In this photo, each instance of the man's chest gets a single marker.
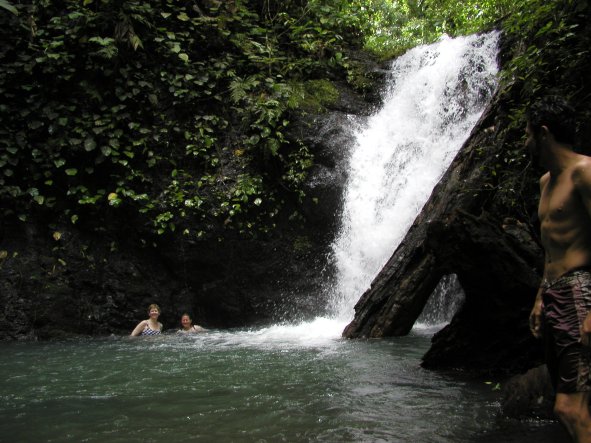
(559, 200)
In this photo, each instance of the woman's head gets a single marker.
(153, 308)
(186, 320)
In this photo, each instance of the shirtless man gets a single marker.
(561, 311)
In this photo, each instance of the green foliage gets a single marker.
(393, 26)
(494, 386)
(8, 6)
(178, 113)
(313, 95)
(173, 111)
(552, 57)
(554, 47)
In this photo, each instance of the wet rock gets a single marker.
(529, 395)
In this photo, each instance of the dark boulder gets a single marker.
(529, 395)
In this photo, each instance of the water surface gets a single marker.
(284, 383)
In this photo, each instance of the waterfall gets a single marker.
(435, 96)
(444, 302)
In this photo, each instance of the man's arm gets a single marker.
(582, 182)
(535, 316)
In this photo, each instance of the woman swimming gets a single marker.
(187, 325)
(151, 326)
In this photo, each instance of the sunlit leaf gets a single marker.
(89, 144)
(8, 6)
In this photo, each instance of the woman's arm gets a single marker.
(139, 328)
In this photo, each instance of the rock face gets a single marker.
(497, 263)
(58, 281)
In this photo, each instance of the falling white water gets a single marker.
(437, 93)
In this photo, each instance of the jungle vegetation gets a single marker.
(176, 114)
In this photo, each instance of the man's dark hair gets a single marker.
(557, 115)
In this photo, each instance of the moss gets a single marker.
(314, 95)
(358, 76)
(302, 244)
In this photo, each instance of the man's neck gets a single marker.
(558, 157)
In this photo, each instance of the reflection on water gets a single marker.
(284, 383)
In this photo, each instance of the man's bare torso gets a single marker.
(565, 223)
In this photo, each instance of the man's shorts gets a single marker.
(566, 302)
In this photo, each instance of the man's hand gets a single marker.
(586, 331)
(535, 319)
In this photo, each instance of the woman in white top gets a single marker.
(151, 326)
(187, 325)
